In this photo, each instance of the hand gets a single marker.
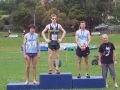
(100, 64)
(115, 63)
(83, 48)
(38, 55)
(25, 56)
(48, 41)
(59, 40)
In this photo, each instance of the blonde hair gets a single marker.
(53, 15)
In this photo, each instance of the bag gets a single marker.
(94, 62)
(59, 64)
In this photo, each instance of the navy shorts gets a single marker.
(84, 53)
(31, 54)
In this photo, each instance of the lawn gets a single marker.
(12, 64)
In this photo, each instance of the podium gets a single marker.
(22, 86)
(56, 81)
(92, 82)
(64, 80)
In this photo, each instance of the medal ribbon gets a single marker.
(82, 34)
(54, 28)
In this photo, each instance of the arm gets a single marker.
(114, 56)
(89, 39)
(38, 45)
(99, 58)
(24, 47)
(63, 33)
(43, 34)
(76, 39)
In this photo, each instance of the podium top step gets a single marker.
(61, 73)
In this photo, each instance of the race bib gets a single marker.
(54, 37)
(32, 45)
(83, 43)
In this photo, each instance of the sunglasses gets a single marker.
(53, 18)
(105, 38)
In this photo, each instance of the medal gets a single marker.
(31, 38)
(82, 34)
(31, 43)
(54, 28)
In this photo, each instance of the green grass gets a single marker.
(12, 63)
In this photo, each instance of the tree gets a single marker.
(22, 16)
(58, 4)
(70, 3)
(6, 6)
(116, 12)
(69, 12)
(9, 5)
(77, 12)
(43, 17)
(1, 23)
(113, 21)
(39, 14)
(61, 18)
(92, 11)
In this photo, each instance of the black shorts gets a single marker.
(31, 54)
(53, 47)
(84, 53)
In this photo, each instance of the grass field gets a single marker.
(12, 64)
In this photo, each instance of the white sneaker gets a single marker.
(106, 85)
(115, 85)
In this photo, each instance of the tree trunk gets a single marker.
(22, 27)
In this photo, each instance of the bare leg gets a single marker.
(57, 57)
(34, 62)
(106, 83)
(115, 83)
(79, 65)
(112, 73)
(27, 69)
(114, 80)
(50, 58)
(86, 64)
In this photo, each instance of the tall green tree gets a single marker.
(43, 17)
(22, 16)
(58, 4)
(10, 5)
(77, 12)
(92, 11)
(6, 6)
(116, 12)
(39, 15)
(70, 3)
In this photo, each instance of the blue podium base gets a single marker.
(22, 86)
(64, 80)
(92, 82)
(56, 81)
